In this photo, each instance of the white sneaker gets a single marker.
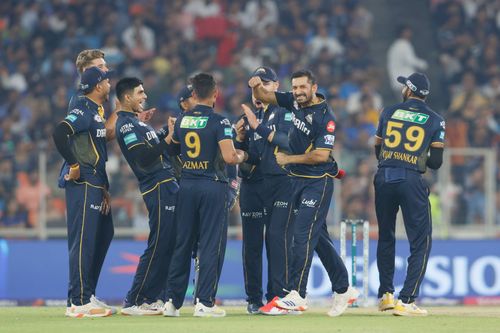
(68, 311)
(341, 301)
(101, 304)
(201, 310)
(141, 310)
(169, 309)
(88, 310)
(158, 305)
(292, 301)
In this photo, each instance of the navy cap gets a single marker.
(418, 83)
(91, 77)
(266, 74)
(184, 94)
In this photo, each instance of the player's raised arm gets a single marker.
(260, 92)
(230, 155)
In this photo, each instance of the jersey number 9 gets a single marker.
(414, 136)
(192, 140)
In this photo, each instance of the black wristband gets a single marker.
(263, 131)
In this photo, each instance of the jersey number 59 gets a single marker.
(414, 136)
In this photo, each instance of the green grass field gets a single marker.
(441, 319)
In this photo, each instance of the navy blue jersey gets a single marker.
(407, 130)
(199, 132)
(88, 142)
(279, 120)
(312, 128)
(130, 133)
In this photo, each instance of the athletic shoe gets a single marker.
(158, 305)
(386, 302)
(68, 311)
(101, 304)
(404, 309)
(341, 301)
(141, 310)
(169, 309)
(201, 310)
(89, 310)
(270, 309)
(292, 301)
(253, 308)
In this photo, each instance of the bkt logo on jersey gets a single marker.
(101, 133)
(413, 117)
(300, 125)
(194, 122)
(151, 135)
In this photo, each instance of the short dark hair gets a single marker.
(125, 85)
(304, 72)
(203, 85)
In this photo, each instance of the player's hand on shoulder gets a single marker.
(73, 173)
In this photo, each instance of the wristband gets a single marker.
(263, 131)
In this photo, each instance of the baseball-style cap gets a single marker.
(417, 82)
(91, 77)
(266, 74)
(184, 94)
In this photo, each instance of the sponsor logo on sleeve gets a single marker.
(330, 127)
(441, 135)
(71, 117)
(98, 118)
(442, 124)
(228, 132)
(77, 112)
(126, 128)
(225, 122)
(288, 116)
(329, 139)
(130, 138)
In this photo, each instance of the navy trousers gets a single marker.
(280, 217)
(312, 198)
(154, 263)
(253, 217)
(201, 210)
(89, 236)
(394, 188)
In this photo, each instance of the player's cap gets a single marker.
(184, 94)
(91, 77)
(266, 74)
(417, 82)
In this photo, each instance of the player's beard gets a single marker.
(307, 100)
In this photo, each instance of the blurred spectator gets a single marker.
(13, 216)
(402, 59)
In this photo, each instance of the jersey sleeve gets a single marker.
(177, 128)
(130, 135)
(285, 99)
(78, 120)
(224, 131)
(380, 125)
(325, 137)
(439, 134)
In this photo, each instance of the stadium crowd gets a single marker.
(164, 43)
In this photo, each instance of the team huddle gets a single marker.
(282, 150)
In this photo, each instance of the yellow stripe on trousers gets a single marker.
(81, 241)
